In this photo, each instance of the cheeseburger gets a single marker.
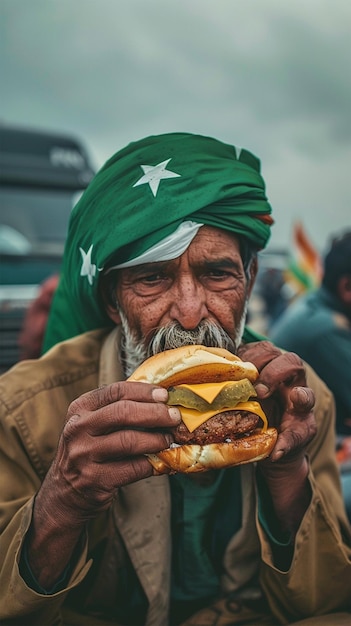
(221, 425)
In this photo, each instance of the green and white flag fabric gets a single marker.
(141, 196)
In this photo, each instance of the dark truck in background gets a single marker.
(42, 175)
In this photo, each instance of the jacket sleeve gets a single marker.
(34, 396)
(20, 604)
(18, 485)
(318, 580)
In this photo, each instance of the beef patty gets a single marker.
(220, 427)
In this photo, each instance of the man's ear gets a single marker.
(252, 274)
(113, 313)
(344, 289)
(109, 302)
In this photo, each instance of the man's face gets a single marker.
(206, 283)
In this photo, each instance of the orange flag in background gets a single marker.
(304, 270)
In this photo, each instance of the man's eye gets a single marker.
(152, 278)
(218, 273)
(218, 279)
(151, 284)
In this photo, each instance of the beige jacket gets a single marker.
(34, 397)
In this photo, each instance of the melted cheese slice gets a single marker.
(193, 419)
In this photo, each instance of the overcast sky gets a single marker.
(268, 75)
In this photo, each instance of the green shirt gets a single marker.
(204, 517)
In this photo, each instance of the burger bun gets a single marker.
(193, 458)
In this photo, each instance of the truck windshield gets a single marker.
(34, 221)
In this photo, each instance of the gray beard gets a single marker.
(207, 333)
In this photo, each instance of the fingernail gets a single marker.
(160, 395)
(174, 413)
(303, 396)
(261, 390)
(276, 456)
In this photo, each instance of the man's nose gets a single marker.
(189, 304)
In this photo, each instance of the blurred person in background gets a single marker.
(271, 288)
(32, 334)
(317, 326)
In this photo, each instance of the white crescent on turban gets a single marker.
(170, 247)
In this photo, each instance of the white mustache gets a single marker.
(208, 333)
(173, 336)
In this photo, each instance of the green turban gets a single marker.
(140, 196)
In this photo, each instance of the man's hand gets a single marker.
(102, 447)
(288, 403)
(281, 388)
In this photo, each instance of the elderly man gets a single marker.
(161, 252)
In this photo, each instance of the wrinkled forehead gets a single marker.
(190, 237)
(211, 249)
(211, 242)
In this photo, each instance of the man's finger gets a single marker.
(108, 394)
(302, 400)
(285, 370)
(260, 353)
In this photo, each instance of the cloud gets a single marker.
(267, 75)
